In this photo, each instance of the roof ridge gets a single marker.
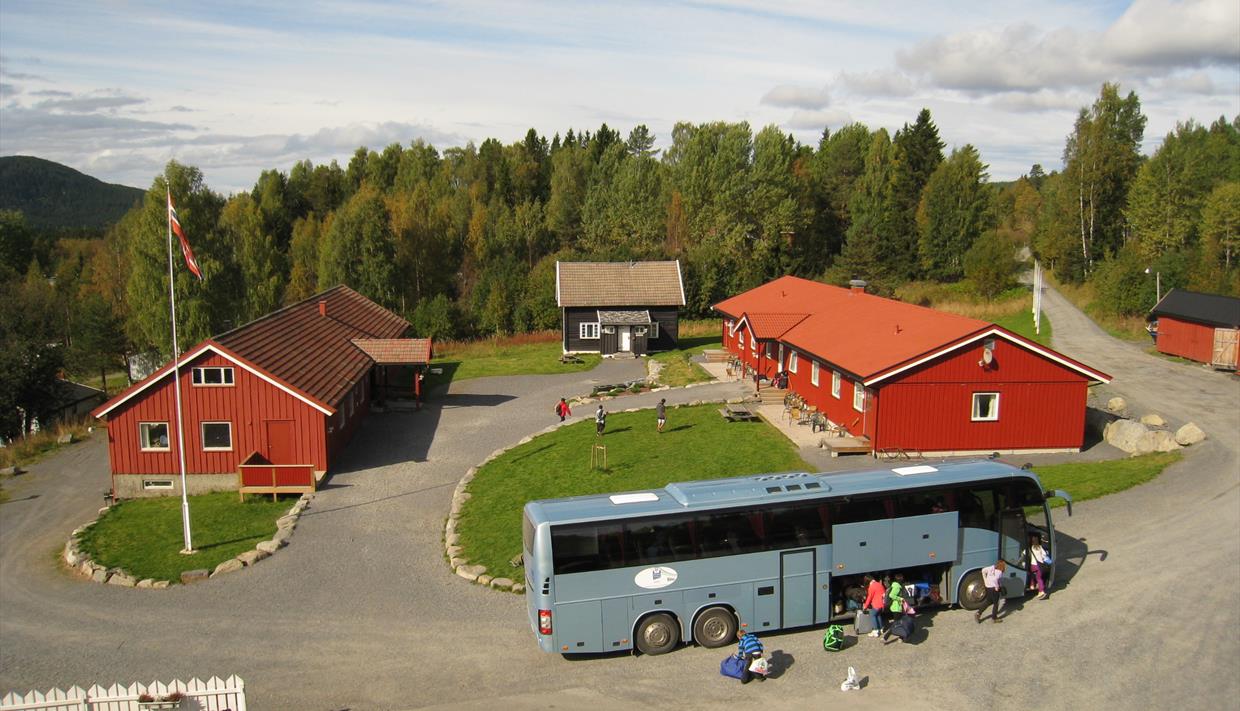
(281, 310)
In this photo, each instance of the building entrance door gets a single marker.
(280, 447)
(626, 339)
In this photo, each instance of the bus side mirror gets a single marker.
(1060, 494)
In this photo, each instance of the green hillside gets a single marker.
(55, 197)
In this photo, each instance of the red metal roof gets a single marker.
(861, 333)
(768, 325)
(396, 351)
(306, 348)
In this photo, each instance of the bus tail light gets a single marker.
(544, 622)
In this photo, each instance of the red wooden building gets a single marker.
(908, 377)
(1200, 327)
(288, 389)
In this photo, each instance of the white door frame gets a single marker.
(624, 339)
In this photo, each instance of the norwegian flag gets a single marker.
(175, 224)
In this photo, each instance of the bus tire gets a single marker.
(657, 634)
(715, 627)
(972, 591)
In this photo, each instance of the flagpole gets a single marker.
(176, 376)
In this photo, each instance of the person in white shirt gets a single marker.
(992, 576)
(1039, 560)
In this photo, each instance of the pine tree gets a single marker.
(917, 152)
(954, 211)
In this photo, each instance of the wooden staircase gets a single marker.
(772, 396)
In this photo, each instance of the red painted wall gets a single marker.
(247, 405)
(1194, 341)
(839, 410)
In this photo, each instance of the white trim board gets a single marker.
(191, 355)
(1092, 375)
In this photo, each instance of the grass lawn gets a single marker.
(1090, 480)
(483, 359)
(696, 444)
(678, 369)
(143, 536)
(1021, 322)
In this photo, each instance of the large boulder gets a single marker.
(1189, 434)
(1117, 404)
(123, 579)
(194, 576)
(1130, 436)
(1153, 420)
(251, 557)
(269, 546)
(231, 565)
(1163, 441)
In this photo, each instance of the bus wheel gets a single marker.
(715, 627)
(658, 634)
(972, 591)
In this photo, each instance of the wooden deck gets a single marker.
(847, 445)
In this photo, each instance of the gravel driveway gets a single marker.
(362, 612)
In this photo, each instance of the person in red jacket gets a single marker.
(875, 601)
(561, 409)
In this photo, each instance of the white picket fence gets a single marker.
(214, 694)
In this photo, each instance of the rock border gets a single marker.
(458, 562)
(83, 564)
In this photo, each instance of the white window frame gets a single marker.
(202, 433)
(792, 361)
(588, 330)
(753, 345)
(653, 332)
(813, 373)
(157, 484)
(835, 384)
(199, 376)
(144, 437)
(994, 415)
(858, 396)
(740, 340)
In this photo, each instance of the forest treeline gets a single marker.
(463, 241)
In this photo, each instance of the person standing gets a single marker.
(873, 604)
(660, 413)
(1039, 560)
(895, 601)
(748, 648)
(600, 421)
(992, 576)
(562, 409)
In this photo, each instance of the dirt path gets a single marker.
(354, 612)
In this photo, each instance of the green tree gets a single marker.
(641, 142)
(262, 269)
(303, 281)
(837, 166)
(357, 249)
(867, 246)
(954, 211)
(570, 174)
(991, 265)
(16, 243)
(30, 352)
(1219, 270)
(436, 318)
(916, 153)
(99, 343)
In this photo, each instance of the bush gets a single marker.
(991, 265)
(1123, 286)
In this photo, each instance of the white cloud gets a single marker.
(790, 96)
(816, 120)
(879, 82)
(1176, 34)
(1043, 100)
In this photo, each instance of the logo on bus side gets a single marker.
(655, 578)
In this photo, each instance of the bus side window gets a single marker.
(978, 508)
(858, 511)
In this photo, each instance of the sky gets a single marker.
(116, 88)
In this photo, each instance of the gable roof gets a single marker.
(1211, 309)
(396, 351)
(619, 284)
(869, 336)
(304, 349)
(769, 325)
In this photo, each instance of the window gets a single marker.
(609, 329)
(213, 376)
(985, 407)
(835, 384)
(153, 436)
(217, 436)
(155, 484)
(654, 330)
(858, 397)
(740, 339)
(813, 372)
(792, 362)
(753, 343)
(588, 331)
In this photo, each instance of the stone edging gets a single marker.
(452, 540)
(82, 563)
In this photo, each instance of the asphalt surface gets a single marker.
(362, 612)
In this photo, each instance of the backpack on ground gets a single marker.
(903, 627)
(732, 666)
(833, 640)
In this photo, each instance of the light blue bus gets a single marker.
(691, 562)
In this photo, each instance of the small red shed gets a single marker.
(1200, 327)
(909, 377)
(290, 387)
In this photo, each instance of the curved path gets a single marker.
(361, 604)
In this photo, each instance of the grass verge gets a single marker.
(678, 367)
(696, 444)
(143, 536)
(1090, 480)
(1020, 322)
(528, 354)
(34, 447)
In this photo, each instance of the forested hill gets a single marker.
(55, 197)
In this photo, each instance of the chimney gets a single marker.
(322, 307)
(857, 286)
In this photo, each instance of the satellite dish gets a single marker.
(988, 356)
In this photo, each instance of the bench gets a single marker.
(737, 413)
(570, 358)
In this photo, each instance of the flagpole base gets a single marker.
(188, 551)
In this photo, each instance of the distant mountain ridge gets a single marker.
(55, 197)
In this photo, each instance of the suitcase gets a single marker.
(733, 666)
(864, 623)
(903, 628)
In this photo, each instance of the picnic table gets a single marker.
(570, 358)
(737, 413)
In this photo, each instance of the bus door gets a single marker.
(797, 575)
(1014, 550)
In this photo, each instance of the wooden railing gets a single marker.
(256, 475)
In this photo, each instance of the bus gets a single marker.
(695, 561)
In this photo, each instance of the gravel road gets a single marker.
(361, 611)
